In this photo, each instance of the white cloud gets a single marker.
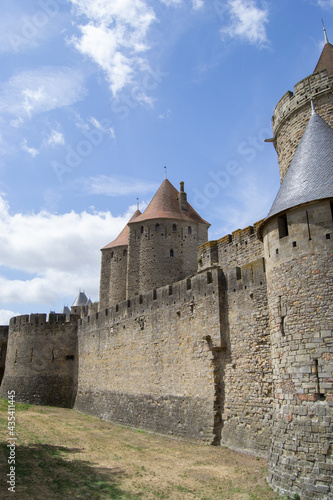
(115, 37)
(32, 151)
(172, 3)
(247, 22)
(55, 139)
(165, 115)
(106, 130)
(325, 4)
(61, 252)
(32, 92)
(114, 186)
(5, 316)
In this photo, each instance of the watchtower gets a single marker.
(293, 110)
(297, 235)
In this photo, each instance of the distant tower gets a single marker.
(293, 110)
(163, 241)
(114, 269)
(297, 235)
(80, 302)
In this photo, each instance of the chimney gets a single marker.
(182, 197)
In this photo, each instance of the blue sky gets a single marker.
(97, 97)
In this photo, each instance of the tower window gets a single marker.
(171, 253)
(189, 230)
(157, 227)
(283, 226)
(174, 227)
(125, 252)
(141, 229)
(111, 255)
(238, 273)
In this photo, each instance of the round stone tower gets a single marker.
(297, 235)
(114, 269)
(163, 241)
(292, 112)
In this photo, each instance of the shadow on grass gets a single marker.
(42, 471)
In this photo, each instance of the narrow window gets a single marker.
(157, 227)
(125, 252)
(238, 273)
(174, 228)
(141, 229)
(209, 278)
(171, 253)
(189, 230)
(170, 290)
(308, 223)
(283, 226)
(111, 255)
(154, 294)
(188, 284)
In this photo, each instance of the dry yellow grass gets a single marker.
(62, 454)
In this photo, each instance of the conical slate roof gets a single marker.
(326, 59)
(165, 205)
(81, 300)
(122, 238)
(310, 175)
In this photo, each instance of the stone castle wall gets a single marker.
(247, 412)
(154, 366)
(300, 281)
(293, 111)
(41, 362)
(3, 349)
(161, 252)
(181, 360)
(237, 249)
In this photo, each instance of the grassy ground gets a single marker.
(62, 454)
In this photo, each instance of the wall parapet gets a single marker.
(40, 319)
(314, 85)
(185, 291)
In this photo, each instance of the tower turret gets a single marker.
(293, 110)
(297, 235)
(163, 241)
(114, 268)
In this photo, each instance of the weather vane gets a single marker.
(165, 171)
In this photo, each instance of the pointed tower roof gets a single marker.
(310, 175)
(165, 205)
(326, 57)
(122, 238)
(81, 300)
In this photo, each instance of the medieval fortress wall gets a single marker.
(41, 361)
(225, 342)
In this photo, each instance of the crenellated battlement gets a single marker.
(293, 112)
(176, 295)
(40, 320)
(236, 249)
(312, 86)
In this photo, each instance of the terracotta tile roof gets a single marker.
(122, 238)
(165, 205)
(326, 59)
